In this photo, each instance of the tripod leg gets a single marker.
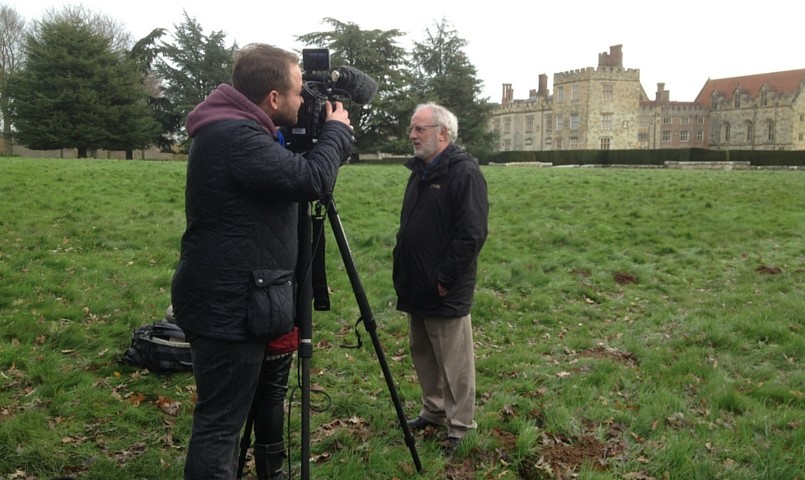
(371, 325)
(305, 324)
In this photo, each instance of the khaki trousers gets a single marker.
(444, 359)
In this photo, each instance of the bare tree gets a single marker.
(12, 33)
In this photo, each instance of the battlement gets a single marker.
(600, 73)
(520, 105)
(675, 107)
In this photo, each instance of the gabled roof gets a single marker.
(789, 81)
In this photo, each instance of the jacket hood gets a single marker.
(226, 103)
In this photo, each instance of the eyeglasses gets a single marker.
(420, 128)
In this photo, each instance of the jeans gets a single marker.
(226, 376)
(269, 419)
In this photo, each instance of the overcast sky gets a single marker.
(681, 43)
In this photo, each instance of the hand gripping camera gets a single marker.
(320, 84)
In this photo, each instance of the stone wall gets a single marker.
(148, 154)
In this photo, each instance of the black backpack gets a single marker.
(160, 347)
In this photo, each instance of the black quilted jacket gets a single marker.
(443, 225)
(235, 278)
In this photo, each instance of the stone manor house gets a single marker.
(607, 108)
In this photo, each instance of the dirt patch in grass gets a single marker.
(561, 457)
(557, 458)
(769, 270)
(624, 278)
(601, 351)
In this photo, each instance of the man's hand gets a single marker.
(337, 113)
(442, 290)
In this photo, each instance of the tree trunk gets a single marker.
(8, 138)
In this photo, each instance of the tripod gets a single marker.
(329, 210)
(311, 240)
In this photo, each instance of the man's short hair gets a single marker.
(443, 117)
(259, 68)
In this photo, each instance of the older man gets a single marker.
(443, 225)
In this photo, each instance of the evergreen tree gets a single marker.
(75, 91)
(145, 53)
(377, 54)
(444, 74)
(190, 69)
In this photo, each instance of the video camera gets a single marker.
(320, 84)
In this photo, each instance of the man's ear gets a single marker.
(271, 101)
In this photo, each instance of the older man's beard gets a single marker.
(425, 148)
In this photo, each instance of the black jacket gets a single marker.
(443, 225)
(236, 275)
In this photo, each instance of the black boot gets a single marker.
(268, 460)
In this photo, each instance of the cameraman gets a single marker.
(234, 286)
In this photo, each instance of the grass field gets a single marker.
(629, 324)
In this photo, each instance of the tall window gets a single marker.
(560, 94)
(606, 122)
(574, 121)
(529, 123)
(574, 92)
(737, 101)
(559, 121)
(607, 91)
(666, 136)
(684, 136)
(644, 127)
(750, 132)
(770, 131)
(764, 99)
(549, 123)
(574, 143)
(726, 132)
(700, 135)
(507, 125)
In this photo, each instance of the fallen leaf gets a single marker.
(168, 405)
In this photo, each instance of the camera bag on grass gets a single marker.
(160, 347)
